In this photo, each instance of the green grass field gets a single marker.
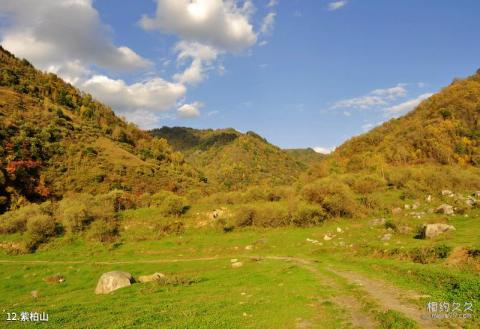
(287, 281)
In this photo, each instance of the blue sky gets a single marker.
(302, 73)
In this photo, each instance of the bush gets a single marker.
(334, 196)
(74, 213)
(305, 215)
(365, 184)
(103, 231)
(244, 216)
(39, 229)
(169, 203)
(16, 220)
(173, 228)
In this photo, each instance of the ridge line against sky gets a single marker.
(302, 73)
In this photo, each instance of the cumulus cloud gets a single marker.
(217, 23)
(188, 111)
(377, 97)
(335, 5)
(268, 23)
(402, 108)
(201, 57)
(322, 150)
(155, 95)
(272, 3)
(59, 33)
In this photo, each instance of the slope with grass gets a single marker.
(55, 138)
(233, 160)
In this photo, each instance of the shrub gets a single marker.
(172, 228)
(16, 220)
(39, 229)
(390, 224)
(103, 231)
(334, 196)
(271, 215)
(244, 216)
(365, 184)
(74, 213)
(169, 203)
(308, 215)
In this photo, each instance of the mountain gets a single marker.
(307, 156)
(444, 129)
(231, 159)
(55, 138)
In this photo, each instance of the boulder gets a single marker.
(237, 264)
(428, 198)
(149, 278)
(447, 193)
(444, 209)
(386, 237)
(111, 281)
(471, 201)
(377, 222)
(432, 230)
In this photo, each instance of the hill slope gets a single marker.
(54, 139)
(444, 129)
(232, 159)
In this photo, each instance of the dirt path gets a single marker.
(385, 295)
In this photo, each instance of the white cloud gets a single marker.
(201, 57)
(335, 5)
(217, 23)
(397, 110)
(155, 95)
(322, 150)
(54, 33)
(375, 98)
(143, 118)
(268, 23)
(272, 3)
(188, 111)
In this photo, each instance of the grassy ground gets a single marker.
(311, 290)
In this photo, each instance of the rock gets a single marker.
(386, 237)
(54, 279)
(249, 247)
(476, 194)
(415, 206)
(428, 198)
(407, 206)
(471, 201)
(149, 278)
(432, 230)
(444, 209)
(327, 237)
(111, 281)
(377, 221)
(34, 293)
(339, 230)
(234, 260)
(237, 265)
(396, 211)
(447, 193)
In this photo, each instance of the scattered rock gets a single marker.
(54, 279)
(428, 198)
(404, 229)
(430, 231)
(407, 206)
(471, 201)
(396, 211)
(327, 237)
(149, 278)
(386, 237)
(237, 264)
(312, 241)
(234, 260)
(447, 193)
(377, 221)
(339, 230)
(444, 209)
(111, 281)
(34, 294)
(476, 194)
(249, 247)
(415, 206)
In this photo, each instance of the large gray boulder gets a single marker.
(444, 209)
(430, 231)
(111, 281)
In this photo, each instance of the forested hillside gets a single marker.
(233, 160)
(444, 129)
(55, 138)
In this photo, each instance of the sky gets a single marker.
(302, 73)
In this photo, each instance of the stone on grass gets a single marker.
(386, 237)
(237, 264)
(34, 294)
(111, 281)
(149, 278)
(447, 193)
(430, 231)
(444, 209)
(377, 221)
